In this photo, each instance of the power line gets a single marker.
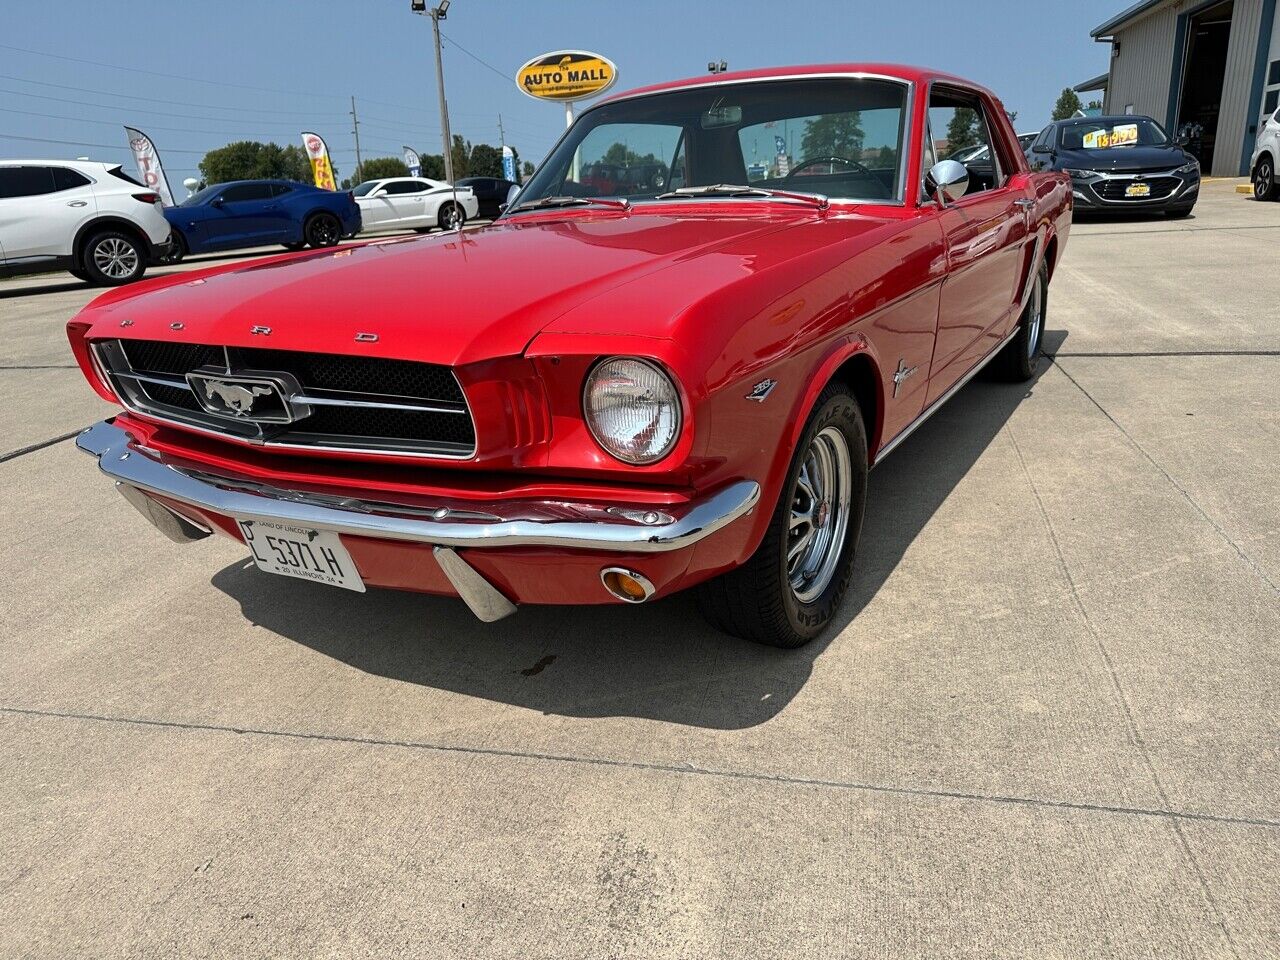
(483, 63)
(167, 76)
(117, 123)
(85, 143)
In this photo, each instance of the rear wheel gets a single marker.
(451, 216)
(1020, 358)
(790, 589)
(1264, 180)
(323, 230)
(112, 257)
(177, 250)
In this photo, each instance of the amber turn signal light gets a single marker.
(627, 585)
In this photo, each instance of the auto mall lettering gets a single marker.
(566, 75)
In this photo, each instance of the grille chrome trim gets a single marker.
(113, 360)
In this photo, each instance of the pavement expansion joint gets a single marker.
(685, 768)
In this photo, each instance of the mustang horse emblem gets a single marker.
(239, 400)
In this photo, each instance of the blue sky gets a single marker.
(268, 69)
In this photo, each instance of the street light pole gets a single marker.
(437, 14)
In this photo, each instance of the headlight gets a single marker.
(1080, 174)
(632, 409)
(1192, 167)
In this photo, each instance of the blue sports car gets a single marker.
(253, 213)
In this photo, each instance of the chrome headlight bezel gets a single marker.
(1076, 174)
(671, 401)
(1190, 167)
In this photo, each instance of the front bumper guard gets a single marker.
(575, 525)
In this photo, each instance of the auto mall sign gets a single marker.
(565, 76)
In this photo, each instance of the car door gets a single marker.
(986, 232)
(408, 203)
(278, 217)
(41, 208)
(238, 216)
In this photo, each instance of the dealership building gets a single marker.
(1211, 69)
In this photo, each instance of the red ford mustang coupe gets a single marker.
(669, 364)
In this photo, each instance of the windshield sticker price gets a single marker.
(1120, 136)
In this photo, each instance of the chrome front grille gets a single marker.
(365, 404)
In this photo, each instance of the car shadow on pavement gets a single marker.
(59, 284)
(659, 661)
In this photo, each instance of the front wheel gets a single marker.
(1020, 359)
(323, 230)
(1264, 180)
(113, 257)
(790, 589)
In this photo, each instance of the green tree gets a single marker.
(833, 135)
(1067, 105)
(486, 161)
(376, 168)
(887, 158)
(461, 156)
(527, 169)
(962, 131)
(252, 160)
(1093, 105)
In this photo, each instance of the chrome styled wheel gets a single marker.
(819, 515)
(450, 217)
(116, 258)
(1035, 318)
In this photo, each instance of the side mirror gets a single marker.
(216, 202)
(512, 193)
(1181, 140)
(947, 181)
(1041, 148)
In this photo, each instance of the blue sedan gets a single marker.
(252, 213)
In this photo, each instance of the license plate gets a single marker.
(1138, 190)
(315, 555)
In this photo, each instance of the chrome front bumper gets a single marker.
(572, 525)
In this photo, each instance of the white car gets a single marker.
(414, 203)
(90, 218)
(1266, 155)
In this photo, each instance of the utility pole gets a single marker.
(355, 128)
(502, 137)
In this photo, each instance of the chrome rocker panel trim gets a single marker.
(625, 531)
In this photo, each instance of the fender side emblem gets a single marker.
(901, 374)
(366, 338)
(265, 331)
(762, 390)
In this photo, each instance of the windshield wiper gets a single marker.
(739, 190)
(543, 203)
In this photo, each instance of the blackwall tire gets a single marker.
(789, 591)
(322, 230)
(1019, 361)
(113, 257)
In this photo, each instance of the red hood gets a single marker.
(446, 298)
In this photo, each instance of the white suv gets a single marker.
(1266, 153)
(90, 218)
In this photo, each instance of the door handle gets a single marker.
(77, 203)
(1025, 204)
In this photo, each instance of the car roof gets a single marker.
(896, 71)
(1105, 118)
(52, 162)
(236, 183)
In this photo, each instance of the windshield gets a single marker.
(837, 137)
(365, 188)
(200, 196)
(1108, 134)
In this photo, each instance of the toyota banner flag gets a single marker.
(148, 161)
(318, 151)
(509, 164)
(413, 162)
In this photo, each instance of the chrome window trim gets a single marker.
(262, 443)
(837, 75)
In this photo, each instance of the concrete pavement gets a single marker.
(1047, 725)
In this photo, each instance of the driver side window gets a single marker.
(960, 132)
